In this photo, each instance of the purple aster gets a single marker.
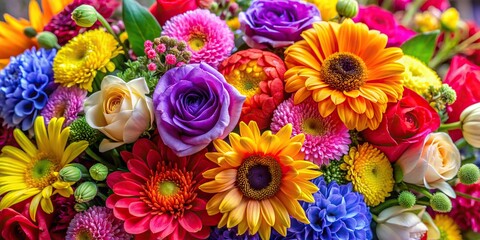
(231, 234)
(96, 223)
(208, 37)
(64, 102)
(325, 138)
(337, 213)
(25, 84)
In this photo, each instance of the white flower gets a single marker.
(470, 121)
(398, 223)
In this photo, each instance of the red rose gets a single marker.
(464, 77)
(166, 9)
(406, 122)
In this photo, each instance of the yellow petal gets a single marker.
(231, 200)
(253, 216)
(236, 215)
(268, 213)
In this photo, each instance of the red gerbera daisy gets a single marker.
(258, 75)
(159, 198)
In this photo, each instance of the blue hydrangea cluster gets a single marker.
(25, 84)
(337, 213)
(231, 234)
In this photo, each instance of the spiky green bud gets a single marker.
(469, 174)
(406, 199)
(332, 172)
(80, 130)
(440, 202)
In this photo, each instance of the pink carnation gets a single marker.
(465, 211)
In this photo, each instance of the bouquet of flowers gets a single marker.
(224, 119)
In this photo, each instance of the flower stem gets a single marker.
(97, 158)
(449, 126)
(389, 203)
(467, 196)
(461, 143)
(375, 217)
(102, 196)
(419, 190)
(106, 25)
(412, 9)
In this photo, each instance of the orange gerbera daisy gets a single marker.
(13, 40)
(259, 180)
(345, 68)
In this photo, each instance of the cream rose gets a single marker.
(120, 110)
(431, 163)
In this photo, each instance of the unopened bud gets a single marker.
(70, 174)
(406, 199)
(347, 8)
(85, 15)
(98, 172)
(469, 174)
(85, 192)
(47, 40)
(440, 202)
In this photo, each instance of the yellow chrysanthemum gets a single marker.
(418, 76)
(370, 173)
(346, 69)
(13, 41)
(449, 230)
(259, 180)
(32, 171)
(426, 21)
(78, 61)
(328, 8)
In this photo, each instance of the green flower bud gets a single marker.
(80, 207)
(468, 174)
(347, 8)
(98, 172)
(30, 32)
(80, 130)
(47, 40)
(85, 192)
(440, 202)
(70, 174)
(332, 172)
(181, 46)
(85, 15)
(406, 199)
(82, 168)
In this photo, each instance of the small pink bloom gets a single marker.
(161, 48)
(148, 44)
(151, 54)
(179, 64)
(152, 67)
(171, 59)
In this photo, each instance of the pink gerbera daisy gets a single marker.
(207, 36)
(96, 223)
(64, 102)
(325, 138)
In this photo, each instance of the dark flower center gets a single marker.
(259, 177)
(344, 71)
(313, 126)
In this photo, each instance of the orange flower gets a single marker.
(258, 75)
(13, 41)
(346, 69)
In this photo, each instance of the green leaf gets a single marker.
(422, 46)
(140, 25)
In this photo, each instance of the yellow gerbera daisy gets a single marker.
(32, 171)
(259, 180)
(370, 173)
(346, 69)
(13, 41)
(78, 61)
(449, 230)
(418, 76)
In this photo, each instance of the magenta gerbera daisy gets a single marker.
(325, 138)
(64, 102)
(96, 223)
(207, 36)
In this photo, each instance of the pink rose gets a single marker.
(382, 20)
(464, 77)
(405, 123)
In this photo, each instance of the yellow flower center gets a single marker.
(246, 78)
(259, 177)
(167, 188)
(40, 173)
(84, 235)
(197, 42)
(344, 71)
(313, 126)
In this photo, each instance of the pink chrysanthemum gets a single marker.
(65, 28)
(462, 207)
(208, 37)
(64, 102)
(96, 223)
(325, 138)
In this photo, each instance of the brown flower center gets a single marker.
(259, 177)
(344, 71)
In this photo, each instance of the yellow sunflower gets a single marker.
(259, 180)
(32, 171)
(78, 61)
(346, 69)
(13, 41)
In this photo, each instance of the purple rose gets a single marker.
(194, 105)
(278, 23)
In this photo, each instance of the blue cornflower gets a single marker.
(25, 84)
(337, 213)
(231, 234)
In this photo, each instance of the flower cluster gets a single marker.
(239, 119)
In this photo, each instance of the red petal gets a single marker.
(199, 205)
(190, 222)
(136, 225)
(153, 157)
(127, 189)
(113, 178)
(112, 200)
(139, 168)
(160, 222)
(139, 209)
(169, 230)
(202, 234)
(142, 147)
